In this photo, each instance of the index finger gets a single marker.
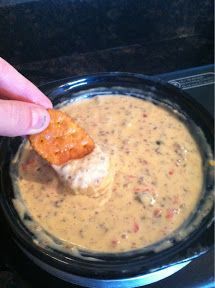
(15, 86)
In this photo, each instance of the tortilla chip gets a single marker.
(62, 141)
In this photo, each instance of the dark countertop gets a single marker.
(40, 30)
(151, 59)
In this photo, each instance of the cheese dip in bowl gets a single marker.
(157, 181)
(160, 176)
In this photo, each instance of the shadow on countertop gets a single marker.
(151, 59)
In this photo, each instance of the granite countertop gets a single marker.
(39, 30)
(151, 59)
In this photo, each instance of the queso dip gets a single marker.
(157, 180)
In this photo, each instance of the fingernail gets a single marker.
(39, 119)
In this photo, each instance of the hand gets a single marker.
(22, 105)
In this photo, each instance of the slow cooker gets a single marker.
(137, 267)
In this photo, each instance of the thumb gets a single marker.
(19, 118)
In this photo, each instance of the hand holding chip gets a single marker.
(25, 110)
(22, 105)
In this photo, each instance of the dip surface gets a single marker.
(158, 178)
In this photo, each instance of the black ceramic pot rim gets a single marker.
(142, 260)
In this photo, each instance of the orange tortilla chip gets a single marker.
(62, 140)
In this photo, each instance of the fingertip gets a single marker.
(21, 89)
(40, 119)
(46, 103)
(19, 118)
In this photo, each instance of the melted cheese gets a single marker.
(156, 183)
